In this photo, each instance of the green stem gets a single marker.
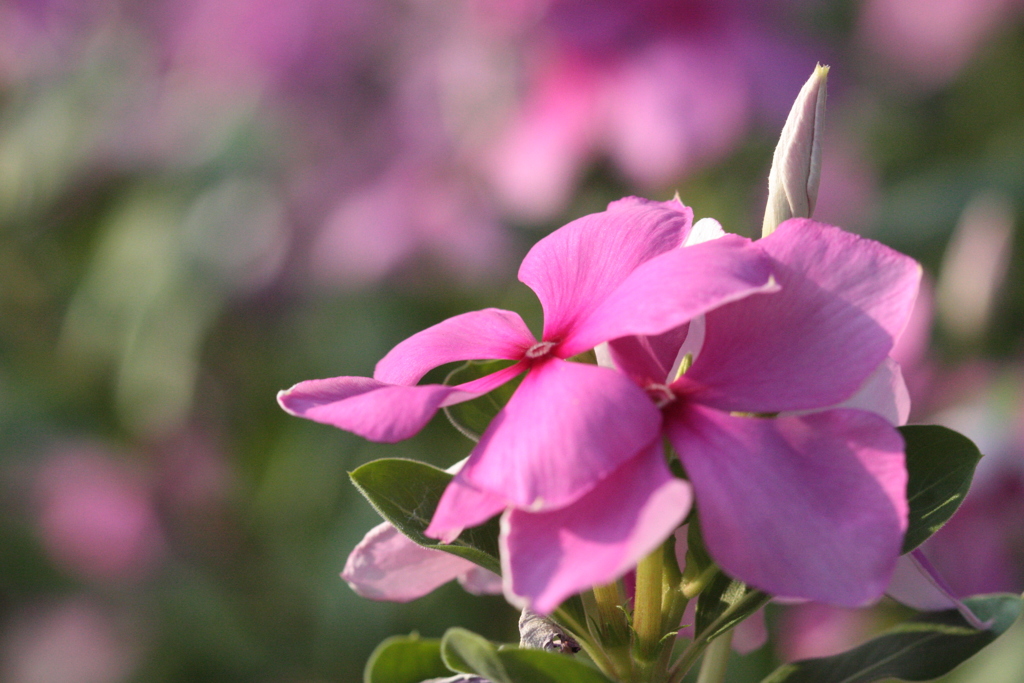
(593, 650)
(716, 659)
(610, 629)
(647, 607)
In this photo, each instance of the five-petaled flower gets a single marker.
(804, 505)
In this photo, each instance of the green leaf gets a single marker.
(940, 466)
(405, 659)
(724, 603)
(538, 666)
(472, 417)
(406, 493)
(467, 652)
(921, 649)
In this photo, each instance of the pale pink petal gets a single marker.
(884, 393)
(378, 411)
(549, 556)
(910, 586)
(673, 288)
(565, 429)
(386, 565)
(480, 581)
(574, 268)
(488, 334)
(808, 507)
(843, 300)
(462, 505)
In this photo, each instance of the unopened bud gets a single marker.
(796, 166)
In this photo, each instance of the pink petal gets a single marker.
(648, 360)
(912, 587)
(809, 507)
(386, 565)
(480, 581)
(565, 429)
(549, 556)
(377, 411)
(884, 393)
(575, 267)
(462, 505)
(814, 343)
(674, 288)
(488, 334)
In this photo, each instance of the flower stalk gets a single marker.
(647, 616)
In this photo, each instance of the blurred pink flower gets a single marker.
(414, 210)
(932, 40)
(96, 517)
(659, 87)
(76, 641)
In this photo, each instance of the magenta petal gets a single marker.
(388, 566)
(648, 360)
(575, 267)
(462, 505)
(674, 288)
(566, 428)
(808, 507)
(381, 412)
(843, 299)
(488, 334)
(548, 556)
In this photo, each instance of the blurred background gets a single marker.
(205, 201)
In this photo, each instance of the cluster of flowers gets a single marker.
(762, 366)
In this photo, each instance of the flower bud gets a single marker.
(796, 166)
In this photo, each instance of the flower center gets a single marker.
(540, 349)
(661, 394)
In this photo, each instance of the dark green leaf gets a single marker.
(921, 649)
(406, 493)
(724, 603)
(472, 417)
(405, 659)
(940, 465)
(469, 653)
(537, 666)
(697, 557)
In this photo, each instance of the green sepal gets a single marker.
(467, 652)
(724, 603)
(472, 417)
(406, 493)
(923, 648)
(940, 466)
(405, 659)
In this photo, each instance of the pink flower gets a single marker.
(810, 504)
(96, 518)
(571, 431)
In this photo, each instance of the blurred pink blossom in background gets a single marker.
(96, 516)
(76, 640)
(932, 40)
